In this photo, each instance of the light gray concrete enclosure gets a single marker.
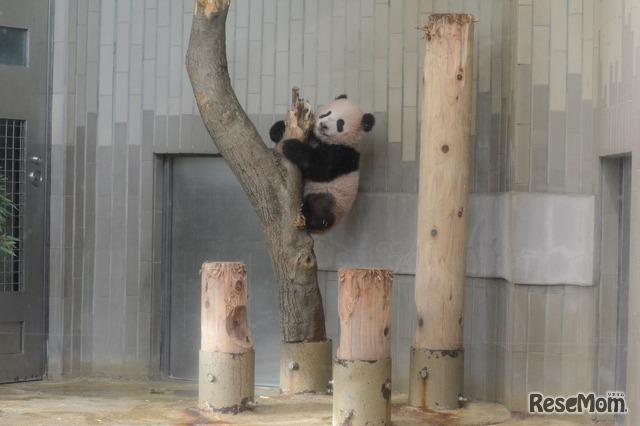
(552, 249)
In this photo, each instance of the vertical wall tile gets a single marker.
(409, 134)
(409, 176)
(559, 24)
(574, 103)
(522, 154)
(536, 322)
(395, 120)
(574, 45)
(395, 60)
(523, 94)
(394, 167)
(573, 178)
(524, 34)
(535, 372)
(520, 322)
(558, 80)
(553, 373)
(483, 63)
(590, 163)
(553, 320)
(541, 14)
(518, 382)
(557, 150)
(540, 61)
(381, 28)
(588, 86)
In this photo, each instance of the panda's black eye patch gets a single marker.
(326, 114)
(340, 124)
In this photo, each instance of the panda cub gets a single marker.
(329, 161)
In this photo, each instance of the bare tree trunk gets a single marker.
(273, 184)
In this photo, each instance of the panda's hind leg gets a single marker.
(318, 211)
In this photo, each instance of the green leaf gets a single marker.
(8, 243)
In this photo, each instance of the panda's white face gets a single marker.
(340, 122)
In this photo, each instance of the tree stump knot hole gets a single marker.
(307, 261)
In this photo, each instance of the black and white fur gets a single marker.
(329, 161)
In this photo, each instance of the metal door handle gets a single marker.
(36, 159)
(35, 177)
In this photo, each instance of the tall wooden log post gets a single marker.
(227, 360)
(437, 357)
(362, 369)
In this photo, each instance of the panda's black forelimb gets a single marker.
(317, 210)
(277, 131)
(321, 162)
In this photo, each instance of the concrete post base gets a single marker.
(305, 367)
(362, 392)
(435, 378)
(226, 381)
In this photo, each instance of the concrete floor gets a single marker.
(139, 402)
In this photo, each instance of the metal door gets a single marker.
(24, 60)
(211, 218)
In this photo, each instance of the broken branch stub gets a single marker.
(211, 7)
(300, 119)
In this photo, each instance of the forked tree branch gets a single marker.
(273, 184)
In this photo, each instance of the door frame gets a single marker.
(44, 132)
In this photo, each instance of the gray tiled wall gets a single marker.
(121, 99)
(552, 106)
(616, 126)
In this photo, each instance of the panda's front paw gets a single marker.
(293, 149)
(277, 131)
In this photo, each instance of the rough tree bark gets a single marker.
(272, 183)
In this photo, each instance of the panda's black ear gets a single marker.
(343, 96)
(368, 120)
